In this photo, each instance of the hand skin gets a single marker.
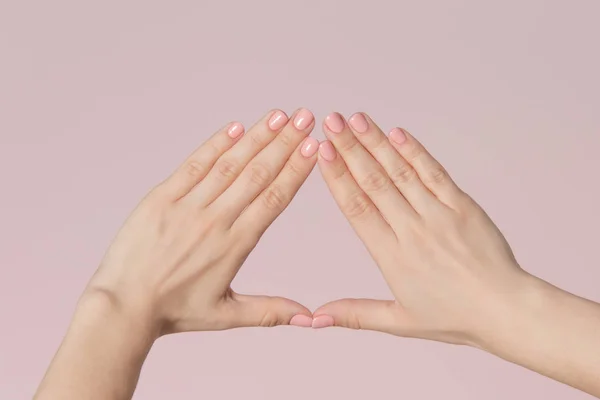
(170, 267)
(452, 273)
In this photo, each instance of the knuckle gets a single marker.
(212, 150)
(195, 169)
(402, 174)
(379, 143)
(258, 141)
(274, 198)
(353, 320)
(227, 169)
(270, 319)
(374, 182)
(437, 176)
(285, 138)
(413, 152)
(260, 174)
(294, 169)
(339, 173)
(357, 206)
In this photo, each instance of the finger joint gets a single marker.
(260, 174)
(274, 198)
(374, 182)
(357, 206)
(227, 169)
(402, 174)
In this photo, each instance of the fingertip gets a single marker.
(277, 120)
(334, 122)
(398, 136)
(322, 321)
(304, 119)
(359, 122)
(235, 130)
(302, 321)
(309, 147)
(327, 151)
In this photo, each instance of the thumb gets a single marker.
(374, 315)
(267, 311)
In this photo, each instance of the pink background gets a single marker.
(100, 100)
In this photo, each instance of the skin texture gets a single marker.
(170, 267)
(452, 273)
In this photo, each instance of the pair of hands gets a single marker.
(447, 265)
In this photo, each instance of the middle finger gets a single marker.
(367, 172)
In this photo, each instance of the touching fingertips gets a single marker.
(302, 321)
(303, 119)
(235, 130)
(322, 321)
(309, 147)
(359, 123)
(327, 151)
(277, 120)
(334, 122)
(398, 136)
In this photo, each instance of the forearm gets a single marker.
(101, 355)
(552, 332)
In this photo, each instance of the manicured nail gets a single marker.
(277, 120)
(334, 122)
(322, 321)
(327, 151)
(303, 119)
(309, 147)
(235, 130)
(397, 135)
(301, 321)
(359, 123)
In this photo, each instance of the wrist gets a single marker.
(102, 353)
(101, 307)
(511, 311)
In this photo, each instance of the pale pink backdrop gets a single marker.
(100, 100)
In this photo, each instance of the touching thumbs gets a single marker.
(375, 315)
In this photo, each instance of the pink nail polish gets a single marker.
(322, 321)
(359, 123)
(303, 119)
(327, 151)
(235, 130)
(277, 120)
(334, 122)
(302, 321)
(398, 136)
(309, 147)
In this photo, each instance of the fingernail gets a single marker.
(309, 147)
(334, 122)
(302, 321)
(327, 151)
(277, 120)
(397, 135)
(359, 123)
(322, 321)
(235, 130)
(303, 119)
